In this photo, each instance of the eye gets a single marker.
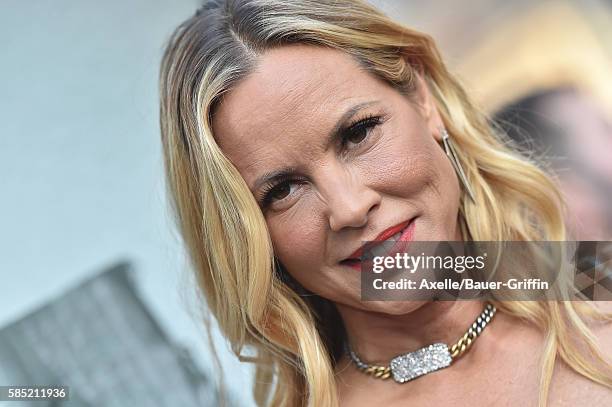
(277, 192)
(360, 130)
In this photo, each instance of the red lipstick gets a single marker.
(384, 235)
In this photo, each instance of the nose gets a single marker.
(349, 199)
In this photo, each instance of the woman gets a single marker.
(295, 130)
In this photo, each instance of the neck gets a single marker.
(378, 337)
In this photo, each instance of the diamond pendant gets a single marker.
(422, 361)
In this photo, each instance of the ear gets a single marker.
(427, 107)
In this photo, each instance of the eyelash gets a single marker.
(366, 123)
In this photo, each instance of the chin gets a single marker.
(393, 307)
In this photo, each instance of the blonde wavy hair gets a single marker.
(297, 340)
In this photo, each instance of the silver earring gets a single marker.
(452, 156)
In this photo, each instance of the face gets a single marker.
(589, 133)
(358, 157)
(588, 187)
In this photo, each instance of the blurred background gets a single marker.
(95, 289)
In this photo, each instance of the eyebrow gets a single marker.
(333, 137)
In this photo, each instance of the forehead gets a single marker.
(280, 114)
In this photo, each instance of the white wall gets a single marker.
(80, 163)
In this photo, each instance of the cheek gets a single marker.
(406, 165)
(414, 168)
(298, 243)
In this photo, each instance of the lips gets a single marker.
(399, 233)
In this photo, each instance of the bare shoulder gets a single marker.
(605, 306)
(603, 331)
(570, 387)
